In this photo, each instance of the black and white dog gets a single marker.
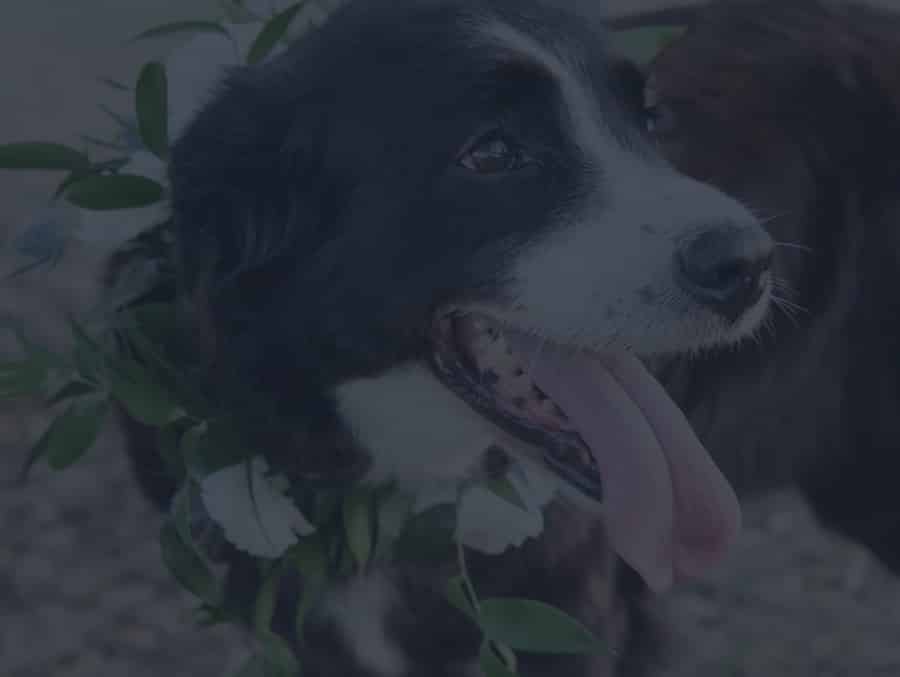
(435, 228)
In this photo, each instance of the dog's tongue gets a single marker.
(669, 511)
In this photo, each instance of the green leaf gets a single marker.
(641, 45)
(503, 488)
(309, 558)
(272, 32)
(71, 390)
(176, 27)
(37, 452)
(118, 191)
(459, 595)
(535, 627)
(181, 515)
(142, 396)
(394, 511)
(40, 155)
(358, 526)
(188, 568)
(491, 664)
(18, 379)
(279, 660)
(266, 598)
(75, 432)
(151, 101)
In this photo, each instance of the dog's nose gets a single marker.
(724, 267)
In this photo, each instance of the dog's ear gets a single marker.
(247, 183)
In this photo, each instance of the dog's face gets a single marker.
(426, 205)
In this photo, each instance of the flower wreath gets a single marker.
(119, 358)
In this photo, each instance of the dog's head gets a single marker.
(448, 218)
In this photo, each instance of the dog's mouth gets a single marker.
(475, 358)
(605, 426)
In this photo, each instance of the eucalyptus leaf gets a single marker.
(358, 525)
(41, 155)
(188, 568)
(71, 390)
(266, 599)
(491, 665)
(142, 396)
(272, 32)
(535, 627)
(151, 102)
(279, 659)
(27, 377)
(176, 27)
(394, 510)
(458, 595)
(118, 191)
(75, 432)
(181, 514)
(310, 560)
(36, 453)
(641, 45)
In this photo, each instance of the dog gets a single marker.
(795, 110)
(437, 229)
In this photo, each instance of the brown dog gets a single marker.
(793, 107)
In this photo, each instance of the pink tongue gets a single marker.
(669, 511)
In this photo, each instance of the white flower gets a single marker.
(490, 523)
(255, 516)
(108, 229)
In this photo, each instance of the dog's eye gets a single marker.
(493, 153)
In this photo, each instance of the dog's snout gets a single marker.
(724, 268)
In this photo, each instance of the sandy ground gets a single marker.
(82, 589)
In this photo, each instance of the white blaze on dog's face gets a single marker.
(607, 275)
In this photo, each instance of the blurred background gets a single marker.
(82, 588)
